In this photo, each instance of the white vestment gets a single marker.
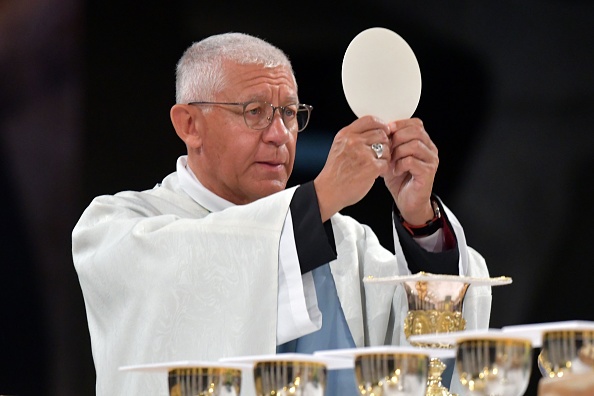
(166, 280)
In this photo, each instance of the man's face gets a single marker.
(236, 162)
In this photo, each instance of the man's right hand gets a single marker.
(352, 166)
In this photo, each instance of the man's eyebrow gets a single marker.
(292, 99)
(262, 98)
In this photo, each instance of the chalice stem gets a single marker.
(434, 386)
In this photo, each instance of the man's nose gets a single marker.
(276, 132)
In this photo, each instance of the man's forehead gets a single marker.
(239, 72)
(255, 81)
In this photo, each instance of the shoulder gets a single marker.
(165, 198)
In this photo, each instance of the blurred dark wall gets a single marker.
(43, 341)
(85, 91)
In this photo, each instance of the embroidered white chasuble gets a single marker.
(164, 280)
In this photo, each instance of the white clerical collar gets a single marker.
(192, 186)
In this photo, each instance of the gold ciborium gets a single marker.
(289, 373)
(197, 378)
(388, 370)
(392, 374)
(566, 352)
(281, 378)
(494, 365)
(567, 347)
(204, 381)
(435, 306)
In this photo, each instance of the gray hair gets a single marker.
(200, 73)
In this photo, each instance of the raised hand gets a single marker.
(412, 168)
(352, 165)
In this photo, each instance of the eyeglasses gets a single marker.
(258, 115)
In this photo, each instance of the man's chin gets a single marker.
(270, 187)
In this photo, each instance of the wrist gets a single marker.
(428, 227)
(326, 209)
(417, 217)
(420, 217)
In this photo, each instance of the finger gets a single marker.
(400, 124)
(415, 148)
(407, 130)
(363, 141)
(374, 141)
(369, 123)
(415, 166)
(366, 130)
(379, 143)
(381, 147)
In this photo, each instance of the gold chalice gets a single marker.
(435, 306)
(388, 369)
(204, 381)
(566, 351)
(281, 378)
(197, 378)
(392, 374)
(289, 373)
(494, 365)
(567, 347)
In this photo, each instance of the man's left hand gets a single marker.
(412, 169)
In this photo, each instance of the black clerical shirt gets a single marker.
(315, 240)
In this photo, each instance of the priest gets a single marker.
(220, 259)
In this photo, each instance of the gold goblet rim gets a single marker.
(535, 331)
(211, 369)
(496, 339)
(418, 355)
(328, 361)
(563, 332)
(294, 363)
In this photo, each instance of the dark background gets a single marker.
(85, 92)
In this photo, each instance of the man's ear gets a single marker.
(186, 122)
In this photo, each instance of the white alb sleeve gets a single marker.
(298, 312)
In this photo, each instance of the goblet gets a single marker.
(392, 374)
(196, 378)
(566, 351)
(203, 381)
(289, 377)
(494, 365)
(435, 305)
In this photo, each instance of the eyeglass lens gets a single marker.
(259, 115)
